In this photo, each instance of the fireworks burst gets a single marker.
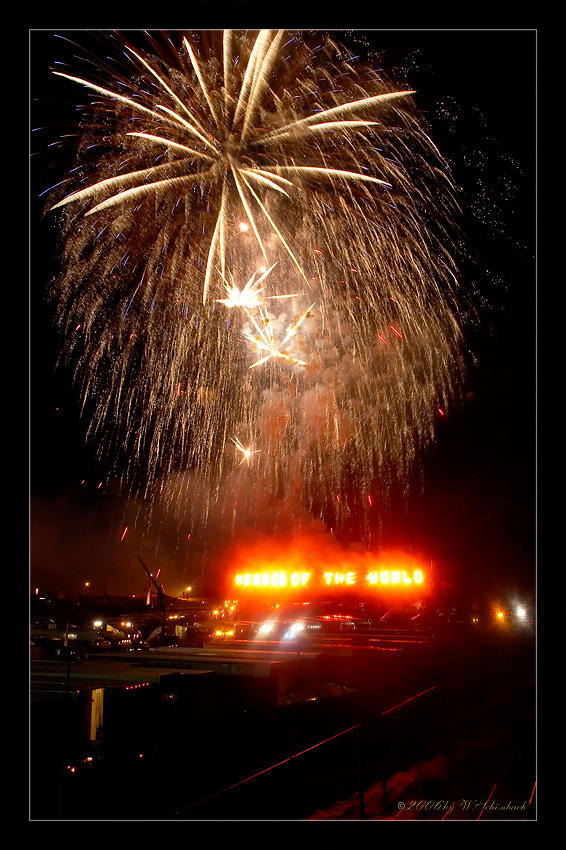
(346, 204)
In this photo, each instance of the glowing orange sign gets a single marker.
(302, 579)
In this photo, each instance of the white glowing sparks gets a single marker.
(247, 452)
(266, 341)
(248, 297)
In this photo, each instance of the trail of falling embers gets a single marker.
(253, 192)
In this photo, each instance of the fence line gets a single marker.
(313, 747)
(267, 769)
(384, 749)
(410, 699)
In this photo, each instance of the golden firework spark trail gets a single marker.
(344, 197)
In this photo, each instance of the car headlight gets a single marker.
(294, 630)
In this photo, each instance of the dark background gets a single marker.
(476, 511)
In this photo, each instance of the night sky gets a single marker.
(477, 509)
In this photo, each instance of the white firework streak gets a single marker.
(267, 342)
(248, 297)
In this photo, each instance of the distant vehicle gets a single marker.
(66, 653)
(237, 630)
(289, 631)
(46, 635)
(132, 639)
(341, 623)
(518, 616)
(158, 639)
(182, 632)
(43, 623)
(95, 644)
(44, 647)
(294, 630)
(227, 630)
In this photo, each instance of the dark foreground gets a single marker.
(441, 728)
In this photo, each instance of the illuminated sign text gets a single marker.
(302, 579)
(275, 579)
